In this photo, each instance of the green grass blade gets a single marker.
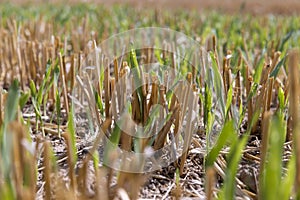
(137, 77)
(218, 84)
(112, 144)
(288, 180)
(229, 100)
(12, 102)
(10, 112)
(226, 134)
(71, 129)
(99, 102)
(281, 98)
(233, 159)
(23, 99)
(32, 89)
(277, 68)
(285, 39)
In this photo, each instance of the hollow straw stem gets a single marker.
(154, 93)
(47, 170)
(106, 91)
(270, 92)
(263, 150)
(224, 75)
(17, 158)
(275, 60)
(238, 88)
(70, 160)
(248, 88)
(161, 136)
(63, 79)
(210, 182)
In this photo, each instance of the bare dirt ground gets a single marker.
(256, 7)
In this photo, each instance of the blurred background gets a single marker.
(286, 7)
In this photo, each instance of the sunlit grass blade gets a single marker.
(218, 84)
(225, 136)
(72, 132)
(233, 159)
(277, 68)
(287, 182)
(228, 101)
(10, 113)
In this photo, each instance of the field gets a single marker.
(176, 101)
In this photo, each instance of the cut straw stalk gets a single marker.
(161, 136)
(106, 91)
(269, 95)
(63, 79)
(260, 104)
(294, 109)
(210, 182)
(18, 158)
(47, 170)
(131, 182)
(117, 90)
(72, 72)
(122, 86)
(225, 68)
(190, 102)
(264, 149)
(21, 67)
(145, 89)
(214, 43)
(237, 100)
(162, 101)
(265, 73)
(114, 98)
(136, 112)
(71, 161)
(248, 83)
(275, 60)
(126, 139)
(154, 93)
(228, 60)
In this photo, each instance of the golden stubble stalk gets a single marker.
(294, 109)
(107, 91)
(269, 95)
(263, 100)
(264, 147)
(131, 182)
(71, 161)
(63, 79)
(238, 99)
(47, 170)
(248, 83)
(210, 182)
(126, 139)
(24, 177)
(189, 106)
